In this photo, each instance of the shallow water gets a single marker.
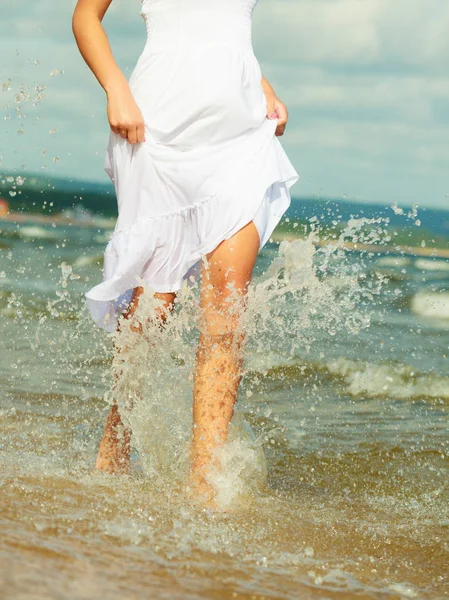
(335, 478)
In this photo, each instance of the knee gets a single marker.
(131, 308)
(229, 291)
(221, 315)
(166, 306)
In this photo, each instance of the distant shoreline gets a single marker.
(57, 218)
(109, 222)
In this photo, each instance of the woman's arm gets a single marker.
(275, 108)
(124, 116)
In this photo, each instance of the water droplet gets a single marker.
(12, 193)
(56, 159)
(22, 96)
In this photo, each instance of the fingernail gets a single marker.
(273, 115)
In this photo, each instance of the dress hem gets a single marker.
(265, 198)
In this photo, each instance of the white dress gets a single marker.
(211, 162)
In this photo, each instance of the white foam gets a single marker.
(36, 233)
(427, 264)
(393, 261)
(87, 260)
(431, 304)
(243, 468)
(388, 380)
(103, 238)
(299, 295)
(404, 590)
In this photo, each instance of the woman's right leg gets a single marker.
(225, 280)
(115, 447)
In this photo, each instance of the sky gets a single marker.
(366, 83)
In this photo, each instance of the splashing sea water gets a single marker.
(337, 489)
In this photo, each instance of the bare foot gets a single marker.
(115, 447)
(201, 461)
(204, 494)
(200, 490)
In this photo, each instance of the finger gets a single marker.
(280, 130)
(132, 135)
(123, 132)
(115, 129)
(282, 114)
(140, 132)
(271, 111)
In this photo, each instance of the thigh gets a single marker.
(167, 300)
(226, 274)
(232, 262)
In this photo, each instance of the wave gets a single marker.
(427, 264)
(431, 304)
(33, 232)
(359, 379)
(393, 261)
(103, 238)
(87, 260)
(389, 380)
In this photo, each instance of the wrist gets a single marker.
(117, 86)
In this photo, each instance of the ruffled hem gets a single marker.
(162, 250)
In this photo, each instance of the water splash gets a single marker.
(307, 291)
(329, 475)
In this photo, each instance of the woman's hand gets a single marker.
(124, 116)
(275, 108)
(123, 113)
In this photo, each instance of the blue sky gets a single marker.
(366, 83)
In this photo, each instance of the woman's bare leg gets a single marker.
(115, 446)
(224, 285)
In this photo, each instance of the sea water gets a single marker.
(334, 480)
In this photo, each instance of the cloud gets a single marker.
(367, 89)
(365, 82)
(350, 33)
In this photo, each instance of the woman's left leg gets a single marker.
(115, 446)
(225, 279)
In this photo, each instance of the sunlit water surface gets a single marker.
(334, 482)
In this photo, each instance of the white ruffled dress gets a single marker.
(210, 163)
